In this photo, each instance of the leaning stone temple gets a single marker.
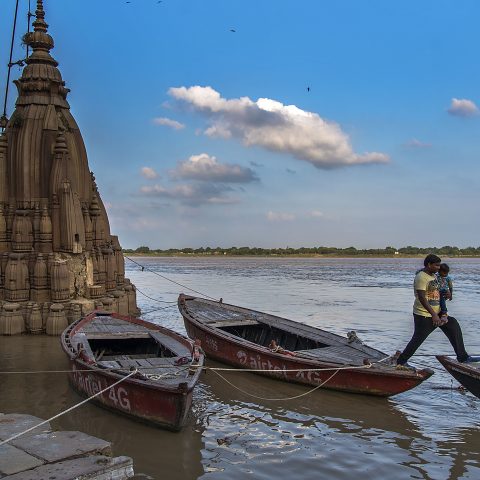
(58, 259)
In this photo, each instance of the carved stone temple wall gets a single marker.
(58, 259)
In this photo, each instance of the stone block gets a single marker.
(13, 423)
(56, 446)
(93, 467)
(14, 460)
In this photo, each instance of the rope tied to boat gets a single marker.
(190, 366)
(143, 267)
(13, 437)
(284, 398)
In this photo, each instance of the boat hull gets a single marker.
(159, 407)
(246, 355)
(466, 374)
(164, 404)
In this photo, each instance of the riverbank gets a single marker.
(220, 255)
(308, 252)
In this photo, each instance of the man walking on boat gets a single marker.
(425, 315)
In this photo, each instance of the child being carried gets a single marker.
(446, 290)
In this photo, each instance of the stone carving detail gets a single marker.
(60, 281)
(11, 319)
(56, 321)
(34, 321)
(17, 286)
(22, 232)
(57, 255)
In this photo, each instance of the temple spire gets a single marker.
(39, 40)
(50, 204)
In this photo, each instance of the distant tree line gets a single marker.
(446, 251)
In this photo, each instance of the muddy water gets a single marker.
(236, 432)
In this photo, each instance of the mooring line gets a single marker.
(279, 399)
(158, 309)
(143, 267)
(68, 410)
(151, 298)
(253, 370)
(217, 369)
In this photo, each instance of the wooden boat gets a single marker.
(468, 374)
(104, 348)
(299, 353)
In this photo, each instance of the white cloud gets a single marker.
(316, 214)
(149, 173)
(168, 122)
(414, 143)
(193, 195)
(280, 217)
(204, 167)
(461, 107)
(281, 128)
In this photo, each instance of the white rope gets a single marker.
(68, 410)
(80, 370)
(279, 399)
(348, 367)
(218, 369)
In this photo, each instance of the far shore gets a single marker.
(225, 255)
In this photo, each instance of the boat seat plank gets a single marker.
(171, 344)
(128, 362)
(102, 326)
(143, 362)
(233, 323)
(215, 321)
(116, 335)
(158, 361)
(108, 364)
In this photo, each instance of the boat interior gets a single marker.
(261, 329)
(110, 349)
(263, 334)
(119, 345)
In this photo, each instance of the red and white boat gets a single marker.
(104, 348)
(292, 351)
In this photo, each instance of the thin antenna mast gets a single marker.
(29, 16)
(4, 119)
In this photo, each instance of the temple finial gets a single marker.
(39, 40)
(39, 25)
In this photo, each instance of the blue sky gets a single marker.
(343, 122)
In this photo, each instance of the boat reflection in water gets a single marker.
(156, 453)
(323, 434)
(230, 434)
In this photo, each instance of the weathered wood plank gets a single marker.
(233, 323)
(170, 343)
(116, 335)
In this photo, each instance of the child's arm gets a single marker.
(450, 287)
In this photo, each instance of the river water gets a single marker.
(431, 432)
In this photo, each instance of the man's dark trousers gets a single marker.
(424, 327)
